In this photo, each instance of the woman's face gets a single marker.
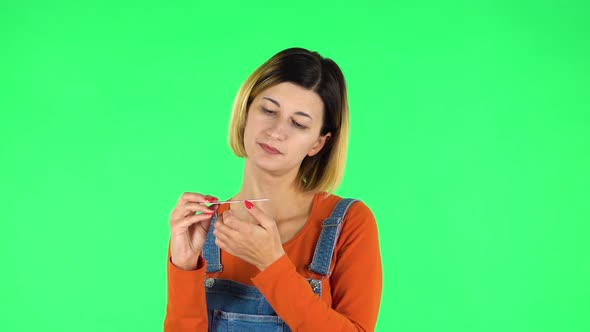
(283, 126)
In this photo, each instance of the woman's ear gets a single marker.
(319, 144)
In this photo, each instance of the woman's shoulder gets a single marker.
(357, 210)
(358, 224)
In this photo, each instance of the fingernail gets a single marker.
(248, 205)
(211, 199)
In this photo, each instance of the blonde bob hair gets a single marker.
(324, 170)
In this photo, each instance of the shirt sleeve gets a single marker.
(186, 309)
(356, 282)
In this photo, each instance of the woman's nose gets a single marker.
(277, 131)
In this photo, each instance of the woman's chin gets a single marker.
(273, 167)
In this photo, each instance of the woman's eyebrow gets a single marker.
(279, 105)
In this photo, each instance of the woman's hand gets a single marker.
(188, 230)
(257, 243)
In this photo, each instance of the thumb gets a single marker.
(205, 224)
(201, 230)
(264, 220)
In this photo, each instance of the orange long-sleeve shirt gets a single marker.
(350, 296)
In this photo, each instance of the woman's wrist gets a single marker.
(188, 265)
(275, 257)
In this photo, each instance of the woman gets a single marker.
(304, 260)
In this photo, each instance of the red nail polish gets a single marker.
(211, 199)
(248, 205)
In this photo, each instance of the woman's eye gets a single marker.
(295, 123)
(298, 125)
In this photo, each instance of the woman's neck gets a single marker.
(286, 200)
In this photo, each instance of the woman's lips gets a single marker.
(269, 149)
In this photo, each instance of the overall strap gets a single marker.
(211, 250)
(324, 249)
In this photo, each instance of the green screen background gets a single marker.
(469, 141)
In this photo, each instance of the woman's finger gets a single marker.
(233, 222)
(225, 231)
(184, 223)
(195, 198)
(192, 208)
(264, 220)
(221, 245)
(189, 208)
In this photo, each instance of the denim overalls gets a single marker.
(233, 306)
